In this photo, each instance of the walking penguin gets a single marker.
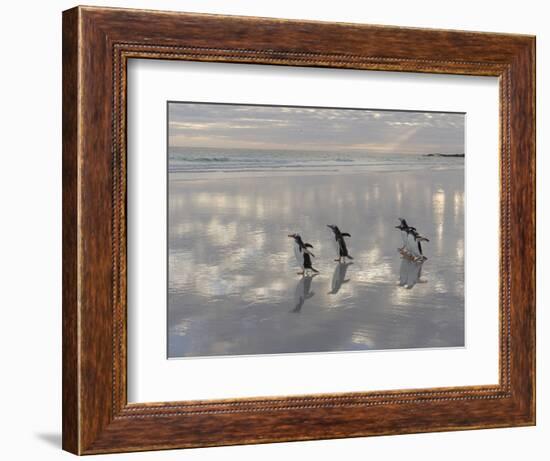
(404, 228)
(303, 254)
(340, 243)
(412, 241)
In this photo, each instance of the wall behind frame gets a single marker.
(30, 230)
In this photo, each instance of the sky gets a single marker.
(312, 128)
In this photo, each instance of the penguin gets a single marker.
(414, 244)
(340, 243)
(303, 254)
(403, 227)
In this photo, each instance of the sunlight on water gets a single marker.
(438, 213)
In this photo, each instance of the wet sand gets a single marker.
(233, 287)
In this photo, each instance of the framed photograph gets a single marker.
(280, 230)
(244, 179)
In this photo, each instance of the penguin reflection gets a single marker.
(339, 277)
(410, 272)
(303, 292)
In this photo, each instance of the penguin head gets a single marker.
(333, 227)
(296, 237)
(402, 224)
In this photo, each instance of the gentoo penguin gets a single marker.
(340, 243)
(303, 254)
(414, 243)
(403, 227)
(339, 277)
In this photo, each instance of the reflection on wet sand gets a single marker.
(232, 286)
(339, 277)
(410, 272)
(303, 292)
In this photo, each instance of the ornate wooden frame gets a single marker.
(97, 43)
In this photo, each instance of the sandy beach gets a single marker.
(233, 287)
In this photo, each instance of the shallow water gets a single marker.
(233, 287)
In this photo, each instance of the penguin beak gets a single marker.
(291, 236)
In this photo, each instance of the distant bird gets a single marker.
(303, 254)
(340, 243)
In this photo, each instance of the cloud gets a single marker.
(281, 127)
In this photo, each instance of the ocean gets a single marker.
(257, 162)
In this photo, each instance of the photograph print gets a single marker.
(313, 229)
